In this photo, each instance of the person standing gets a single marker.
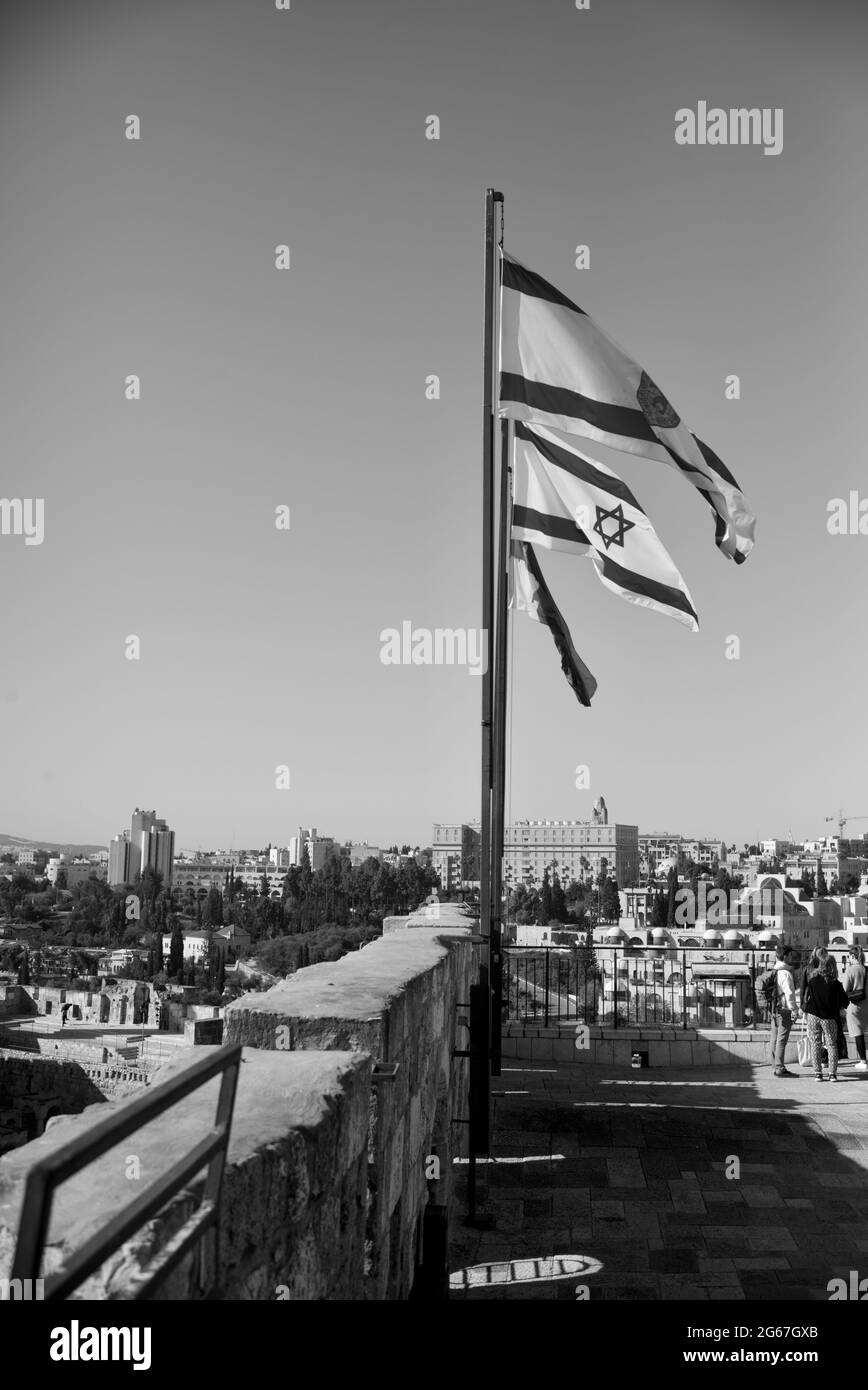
(824, 998)
(855, 980)
(783, 1008)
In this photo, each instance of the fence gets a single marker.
(201, 1226)
(680, 988)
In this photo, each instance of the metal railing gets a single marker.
(202, 1226)
(629, 986)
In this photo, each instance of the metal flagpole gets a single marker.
(499, 740)
(480, 993)
(488, 528)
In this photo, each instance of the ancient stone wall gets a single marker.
(348, 1094)
(33, 1090)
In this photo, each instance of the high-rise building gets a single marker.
(119, 860)
(150, 844)
(571, 849)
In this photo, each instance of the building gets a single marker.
(837, 868)
(359, 853)
(119, 860)
(31, 858)
(77, 871)
(122, 958)
(195, 944)
(659, 847)
(232, 938)
(252, 877)
(708, 854)
(150, 844)
(572, 849)
(455, 855)
(774, 849)
(318, 848)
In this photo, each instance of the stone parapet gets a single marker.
(335, 1164)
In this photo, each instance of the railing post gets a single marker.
(684, 989)
(548, 954)
(615, 988)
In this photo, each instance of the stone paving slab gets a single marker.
(625, 1183)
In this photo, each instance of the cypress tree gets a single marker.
(176, 953)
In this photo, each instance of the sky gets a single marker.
(305, 387)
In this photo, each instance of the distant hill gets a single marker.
(13, 842)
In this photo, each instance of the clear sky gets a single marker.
(307, 387)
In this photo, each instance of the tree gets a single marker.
(822, 887)
(150, 884)
(176, 952)
(559, 902)
(659, 910)
(545, 913)
(24, 969)
(610, 902)
(670, 903)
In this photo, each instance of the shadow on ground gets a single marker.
(617, 1181)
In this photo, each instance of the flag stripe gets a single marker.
(581, 467)
(557, 527)
(716, 463)
(557, 400)
(643, 586)
(518, 277)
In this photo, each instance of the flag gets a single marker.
(530, 594)
(566, 500)
(558, 368)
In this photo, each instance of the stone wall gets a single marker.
(666, 1047)
(15, 1001)
(329, 1184)
(396, 1000)
(33, 1090)
(119, 1002)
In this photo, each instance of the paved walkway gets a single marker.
(617, 1180)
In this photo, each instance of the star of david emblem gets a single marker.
(622, 526)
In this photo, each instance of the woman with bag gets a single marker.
(818, 956)
(855, 979)
(824, 999)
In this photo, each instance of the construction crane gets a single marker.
(842, 821)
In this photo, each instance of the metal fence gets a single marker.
(624, 986)
(200, 1229)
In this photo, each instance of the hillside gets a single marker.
(13, 842)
